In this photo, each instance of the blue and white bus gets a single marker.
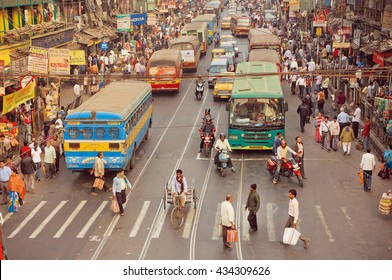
(115, 121)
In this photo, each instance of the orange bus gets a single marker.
(240, 25)
(190, 51)
(164, 70)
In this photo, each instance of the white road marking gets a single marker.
(47, 219)
(344, 209)
(70, 219)
(97, 212)
(188, 222)
(245, 224)
(140, 219)
(115, 219)
(9, 215)
(271, 209)
(324, 223)
(160, 221)
(27, 219)
(238, 218)
(217, 222)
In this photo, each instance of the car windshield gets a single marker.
(228, 47)
(244, 22)
(218, 68)
(256, 112)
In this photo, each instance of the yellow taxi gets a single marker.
(217, 52)
(223, 86)
(225, 23)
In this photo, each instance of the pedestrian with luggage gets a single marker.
(253, 205)
(228, 218)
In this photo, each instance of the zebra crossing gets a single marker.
(269, 219)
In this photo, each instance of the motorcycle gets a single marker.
(199, 91)
(223, 161)
(207, 140)
(288, 169)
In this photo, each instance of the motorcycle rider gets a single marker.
(222, 143)
(207, 114)
(201, 82)
(281, 156)
(208, 127)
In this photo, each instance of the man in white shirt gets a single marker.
(50, 160)
(311, 65)
(282, 153)
(294, 215)
(319, 81)
(335, 133)
(179, 188)
(138, 67)
(227, 215)
(76, 90)
(301, 84)
(325, 133)
(293, 64)
(221, 144)
(356, 119)
(368, 165)
(287, 54)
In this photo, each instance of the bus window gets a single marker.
(74, 132)
(87, 132)
(100, 133)
(114, 132)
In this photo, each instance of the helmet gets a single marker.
(222, 135)
(207, 111)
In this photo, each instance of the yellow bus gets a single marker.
(190, 51)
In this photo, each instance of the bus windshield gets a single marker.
(243, 22)
(265, 112)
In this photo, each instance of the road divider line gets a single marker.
(238, 216)
(324, 223)
(70, 219)
(48, 219)
(27, 219)
(9, 215)
(348, 218)
(245, 225)
(217, 223)
(140, 218)
(160, 221)
(188, 222)
(271, 209)
(97, 212)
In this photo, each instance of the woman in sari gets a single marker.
(317, 123)
(17, 191)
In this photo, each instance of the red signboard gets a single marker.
(1, 66)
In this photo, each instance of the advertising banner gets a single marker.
(19, 66)
(123, 23)
(59, 62)
(139, 19)
(294, 5)
(341, 37)
(38, 60)
(387, 21)
(77, 57)
(13, 100)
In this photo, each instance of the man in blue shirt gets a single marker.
(5, 173)
(343, 119)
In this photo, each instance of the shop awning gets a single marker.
(93, 32)
(388, 59)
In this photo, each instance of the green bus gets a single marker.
(256, 107)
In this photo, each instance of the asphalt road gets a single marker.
(63, 221)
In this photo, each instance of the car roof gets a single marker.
(218, 61)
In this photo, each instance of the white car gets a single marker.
(231, 39)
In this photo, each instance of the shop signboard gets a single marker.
(77, 57)
(357, 37)
(151, 19)
(123, 23)
(294, 5)
(1, 66)
(2, 91)
(19, 66)
(59, 61)
(53, 39)
(38, 60)
(139, 19)
(387, 21)
(104, 46)
(13, 100)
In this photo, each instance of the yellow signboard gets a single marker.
(319, 31)
(59, 61)
(294, 5)
(77, 57)
(13, 100)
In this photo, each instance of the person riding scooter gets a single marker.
(282, 152)
(208, 127)
(222, 143)
(199, 87)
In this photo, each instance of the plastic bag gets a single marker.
(291, 236)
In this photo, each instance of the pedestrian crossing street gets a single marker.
(270, 217)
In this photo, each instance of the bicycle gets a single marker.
(177, 214)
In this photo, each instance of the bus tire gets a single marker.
(132, 162)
